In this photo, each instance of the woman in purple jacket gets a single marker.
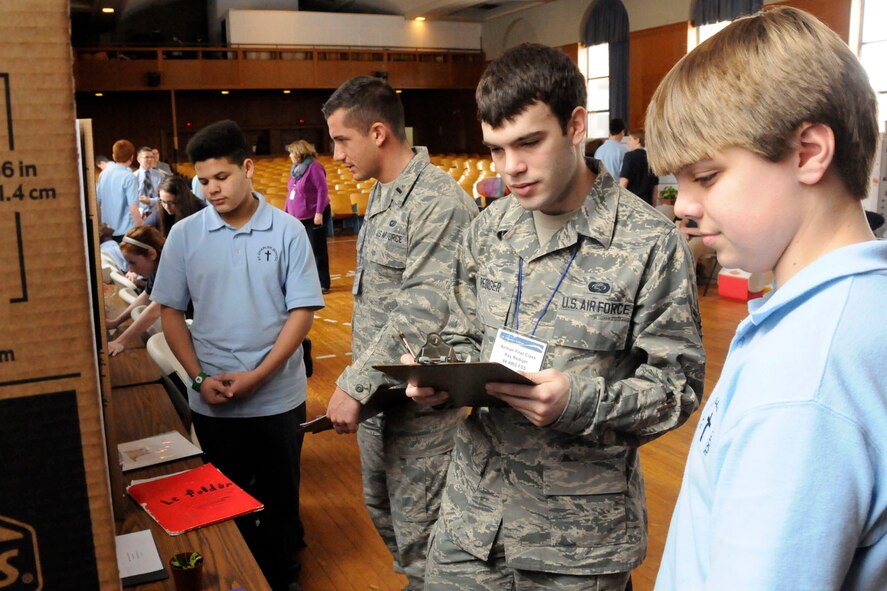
(308, 200)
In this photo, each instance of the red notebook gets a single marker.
(191, 499)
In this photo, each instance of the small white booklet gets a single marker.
(138, 560)
(158, 449)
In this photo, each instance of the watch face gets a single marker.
(198, 380)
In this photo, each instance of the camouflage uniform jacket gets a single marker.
(406, 265)
(624, 326)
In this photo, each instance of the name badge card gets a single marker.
(292, 194)
(518, 351)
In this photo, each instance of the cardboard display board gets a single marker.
(56, 525)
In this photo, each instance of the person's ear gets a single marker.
(816, 151)
(378, 133)
(248, 167)
(577, 125)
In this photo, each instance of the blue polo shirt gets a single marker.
(611, 153)
(243, 283)
(115, 192)
(786, 481)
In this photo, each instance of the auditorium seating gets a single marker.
(349, 196)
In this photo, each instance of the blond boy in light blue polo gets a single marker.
(771, 129)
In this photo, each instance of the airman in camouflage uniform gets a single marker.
(406, 265)
(554, 498)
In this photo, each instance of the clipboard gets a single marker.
(463, 381)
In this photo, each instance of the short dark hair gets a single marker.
(524, 75)
(368, 100)
(101, 158)
(222, 139)
(617, 126)
(144, 149)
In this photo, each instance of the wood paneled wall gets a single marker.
(442, 120)
(834, 13)
(184, 68)
(651, 54)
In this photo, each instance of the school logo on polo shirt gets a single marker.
(19, 559)
(268, 254)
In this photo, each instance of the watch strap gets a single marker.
(198, 381)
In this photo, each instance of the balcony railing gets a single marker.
(266, 67)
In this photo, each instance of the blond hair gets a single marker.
(302, 149)
(753, 84)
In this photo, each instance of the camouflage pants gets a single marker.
(404, 471)
(449, 568)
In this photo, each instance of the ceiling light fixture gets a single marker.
(108, 10)
(420, 19)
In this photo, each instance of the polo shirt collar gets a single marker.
(856, 259)
(596, 218)
(261, 219)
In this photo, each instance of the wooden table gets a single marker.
(142, 411)
(132, 368)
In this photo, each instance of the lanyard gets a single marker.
(520, 280)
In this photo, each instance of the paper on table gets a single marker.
(137, 558)
(157, 449)
(191, 499)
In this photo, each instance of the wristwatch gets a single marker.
(198, 380)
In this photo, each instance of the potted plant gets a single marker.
(667, 195)
(187, 570)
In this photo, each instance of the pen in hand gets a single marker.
(403, 339)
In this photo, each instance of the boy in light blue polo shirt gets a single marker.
(117, 193)
(249, 270)
(771, 129)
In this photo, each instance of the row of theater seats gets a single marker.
(348, 196)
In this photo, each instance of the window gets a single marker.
(710, 16)
(594, 62)
(699, 34)
(873, 51)
(603, 59)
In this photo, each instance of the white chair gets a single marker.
(108, 260)
(175, 378)
(127, 295)
(154, 328)
(160, 352)
(122, 281)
